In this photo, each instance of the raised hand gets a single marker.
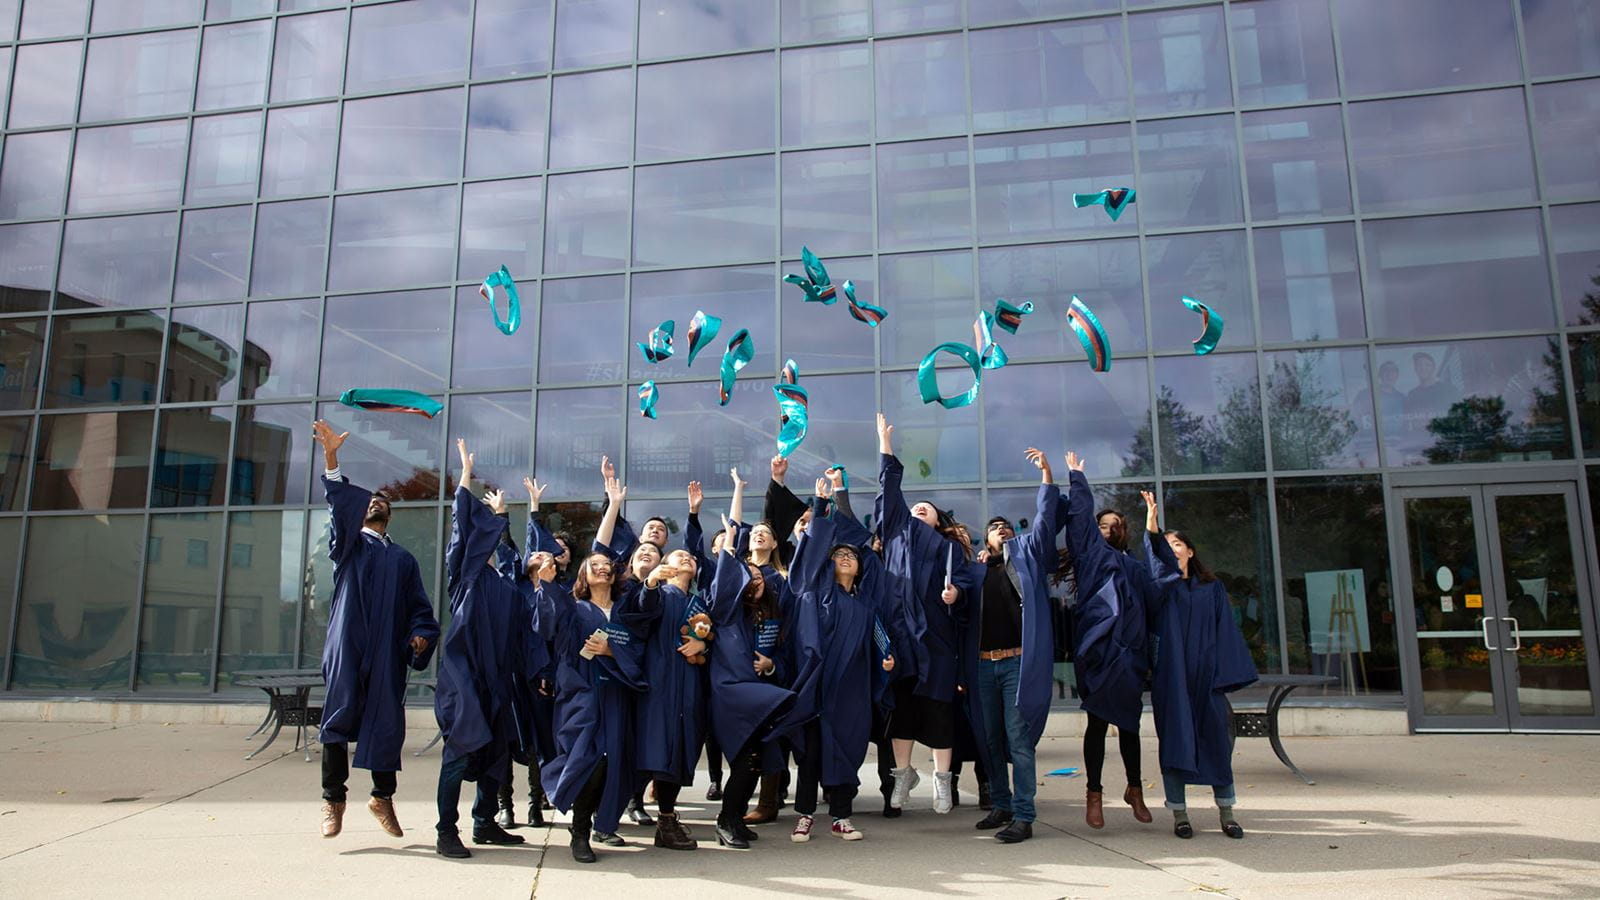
(607, 470)
(324, 434)
(1152, 520)
(823, 489)
(1075, 462)
(885, 436)
(496, 501)
(466, 459)
(1040, 462)
(780, 468)
(534, 489)
(696, 497)
(738, 483)
(835, 475)
(616, 492)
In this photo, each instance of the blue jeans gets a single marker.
(484, 806)
(1004, 729)
(1174, 787)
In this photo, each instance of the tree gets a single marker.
(1309, 429)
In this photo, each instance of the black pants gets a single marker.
(1094, 752)
(336, 772)
(451, 774)
(841, 797)
(535, 789)
(744, 773)
(588, 800)
(713, 757)
(880, 738)
(667, 795)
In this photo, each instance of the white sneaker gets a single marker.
(905, 780)
(943, 794)
(802, 830)
(846, 831)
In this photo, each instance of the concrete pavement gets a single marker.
(174, 810)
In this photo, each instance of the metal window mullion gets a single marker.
(627, 254)
(139, 587)
(972, 254)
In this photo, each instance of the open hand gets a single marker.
(496, 501)
(534, 489)
(885, 435)
(1074, 461)
(323, 434)
(824, 489)
(696, 497)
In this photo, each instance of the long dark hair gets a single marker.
(760, 606)
(1119, 532)
(580, 584)
(1064, 568)
(951, 530)
(1198, 570)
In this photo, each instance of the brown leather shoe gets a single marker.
(1134, 797)
(382, 809)
(767, 807)
(332, 819)
(1094, 812)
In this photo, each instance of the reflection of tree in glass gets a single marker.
(1481, 428)
(1310, 426)
(1228, 441)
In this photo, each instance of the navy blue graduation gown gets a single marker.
(532, 661)
(594, 704)
(379, 604)
(1114, 592)
(743, 700)
(671, 717)
(915, 559)
(1203, 658)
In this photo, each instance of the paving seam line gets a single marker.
(538, 869)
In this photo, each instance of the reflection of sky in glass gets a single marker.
(397, 45)
(1558, 35)
(1309, 283)
(1566, 118)
(1434, 152)
(827, 201)
(138, 75)
(498, 429)
(581, 332)
(1378, 41)
(809, 20)
(1189, 172)
(395, 340)
(124, 261)
(921, 83)
(401, 139)
(1575, 236)
(695, 439)
(45, 85)
(1283, 51)
(684, 27)
(505, 127)
(299, 150)
(1056, 73)
(1025, 182)
(281, 349)
(577, 428)
(589, 121)
(33, 174)
(53, 18)
(742, 297)
(923, 193)
(594, 32)
(291, 241)
(704, 212)
(511, 37)
(1295, 162)
(826, 337)
(587, 224)
(233, 65)
(929, 299)
(827, 95)
(909, 15)
(392, 239)
(309, 58)
(1103, 274)
(27, 264)
(1209, 267)
(1180, 60)
(128, 167)
(1061, 406)
(224, 156)
(500, 226)
(705, 106)
(839, 433)
(483, 356)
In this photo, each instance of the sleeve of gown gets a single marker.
(540, 539)
(347, 509)
(1088, 547)
(848, 529)
(455, 552)
(694, 540)
(810, 571)
(420, 613)
(841, 503)
(640, 608)
(1039, 543)
(893, 514)
(782, 508)
(623, 540)
(1164, 567)
(729, 581)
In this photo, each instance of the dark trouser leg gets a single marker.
(384, 784)
(992, 701)
(335, 771)
(588, 799)
(880, 737)
(449, 797)
(841, 800)
(1094, 751)
(810, 763)
(485, 806)
(506, 795)
(667, 796)
(744, 771)
(1128, 743)
(713, 757)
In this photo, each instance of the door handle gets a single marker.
(1485, 623)
(1516, 633)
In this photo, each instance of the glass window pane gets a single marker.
(1423, 153)
(498, 429)
(983, 12)
(1209, 410)
(238, 9)
(1477, 401)
(92, 461)
(121, 15)
(51, 18)
(1103, 274)
(400, 45)
(827, 95)
(1283, 51)
(494, 360)
(914, 15)
(233, 65)
(1104, 420)
(937, 445)
(1575, 232)
(1210, 267)
(827, 201)
(1228, 526)
(290, 249)
(1491, 266)
(594, 32)
(813, 335)
(138, 75)
(303, 5)
(280, 347)
(393, 239)
(417, 530)
(1295, 162)
(685, 27)
(583, 321)
(1563, 36)
(14, 459)
(1180, 60)
(33, 174)
(1026, 181)
(500, 226)
(400, 139)
(1320, 409)
(575, 429)
(94, 651)
(587, 221)
(812, 20)
(921, 86)
(505, 127)
(511, 37)
(10, 541)
(128, 167)
(1189, 172)
(44, 90)
(27, 266)
(213, 254)
(122, 261)
(1584, 349)
(271, 461)
(839, 406)
(1051, 74)
(192, 457)
(1309, 283)
(261, 592)
(1329, 544)
(398, 340)
(309, 58)
(934, 293)
(695, 439)
(589, 120)
(734, 92)
(299, 155)
(743, 297)
(1390, 46)
(21, 356)
(224, 155)
(713, 211)
(203, 355)
(109, 358)
(1566, 118)
(398, 454)
(924, 193)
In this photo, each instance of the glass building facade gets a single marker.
(217, 215)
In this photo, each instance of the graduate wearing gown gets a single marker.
(770, 549)
(379, 621)
(1111, 656)
(1203, 659)
(704, 569)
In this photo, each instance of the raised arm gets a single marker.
(461, 525)
(1083, 535)
(1040, 540)
(347, 504)
(694, 539)
(729, 581)
(811, 570)
(893, 514)
(736, 507)
(841, 494)
(615, 494)
(538, 538)
(1164, 566)
(782, 508)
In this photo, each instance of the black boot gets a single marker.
(637, 814)
(449, 845)
(984, 801)
(535, 814)
(537, 803)
(995, 819)
(505, 818)
(728, 836)
(1015, 833)
(610, 839)
(889, 812)
(581, 851)
(494, 834)
(670, 833)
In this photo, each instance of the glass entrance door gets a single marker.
(1499, 608)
